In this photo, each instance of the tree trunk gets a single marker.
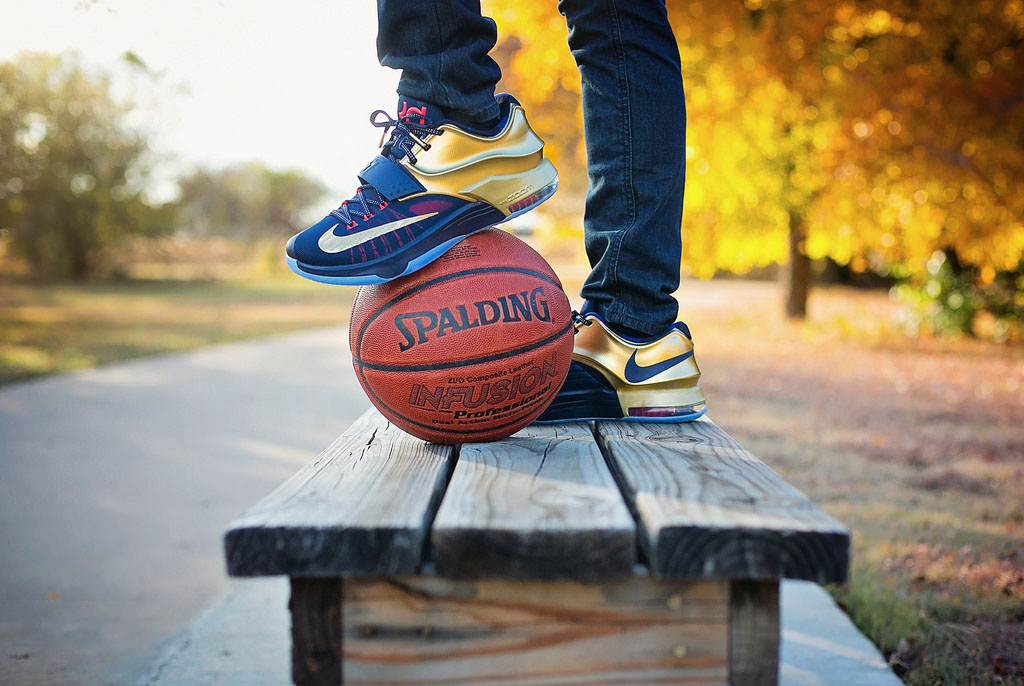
(76, 252)
(796, 276)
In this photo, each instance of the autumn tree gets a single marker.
(873, 133)
(71, 170)
(737, 202)
(760, 152)
(931, 131)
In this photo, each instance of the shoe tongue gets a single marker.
(410, 106)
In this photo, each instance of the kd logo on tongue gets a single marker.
(406, 110)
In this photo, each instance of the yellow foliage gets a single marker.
(884, 130)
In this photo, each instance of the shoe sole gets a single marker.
(678, 400)
(676, 419)
(517, 203)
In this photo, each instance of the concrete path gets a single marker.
(115, 489)
(116, 486)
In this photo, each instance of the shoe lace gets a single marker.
(406, 131)
(579, 320)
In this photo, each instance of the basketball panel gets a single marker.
(471, 402)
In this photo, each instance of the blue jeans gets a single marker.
(634, 122)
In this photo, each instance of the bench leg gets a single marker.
(754, 633)
(315, 605)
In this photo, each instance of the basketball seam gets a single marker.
(462, 363)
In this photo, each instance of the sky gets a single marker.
(291, 84)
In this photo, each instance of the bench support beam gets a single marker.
(316, 607)
(420, 631)
(753, 633)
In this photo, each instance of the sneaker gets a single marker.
(617, 377)
(434, 183)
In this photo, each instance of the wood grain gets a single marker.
(417, 630)
(316, 610)
(707, 508)
(362, 507)
(754, 633)
(539, 505)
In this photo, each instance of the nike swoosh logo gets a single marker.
(634, 373)
(331, 243)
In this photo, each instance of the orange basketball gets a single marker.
(473, 347)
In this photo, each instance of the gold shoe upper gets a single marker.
(599, 347)
(495, 169)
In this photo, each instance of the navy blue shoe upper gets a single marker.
(369, 235)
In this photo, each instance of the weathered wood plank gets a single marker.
(419, 631)
(707, 508)
(754, 633)
(362, 507)
(539, 505)
(316, 610)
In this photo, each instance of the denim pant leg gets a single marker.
(634, 119)
(441, 47)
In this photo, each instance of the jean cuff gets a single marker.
(618, 315)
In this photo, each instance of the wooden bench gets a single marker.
(607, 553)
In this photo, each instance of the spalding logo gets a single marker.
(418, 327)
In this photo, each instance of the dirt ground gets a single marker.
(917, 445)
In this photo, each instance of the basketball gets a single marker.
(471, 348)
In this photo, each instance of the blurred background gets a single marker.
(853, 234)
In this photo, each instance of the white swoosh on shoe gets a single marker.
(331, 243)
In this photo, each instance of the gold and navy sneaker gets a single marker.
(616, 377)
(435, 182)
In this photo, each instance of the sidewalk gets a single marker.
(116, 485)
(245, 640)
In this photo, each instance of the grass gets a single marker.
(59, 327)
(175, 295)
(943, 615)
